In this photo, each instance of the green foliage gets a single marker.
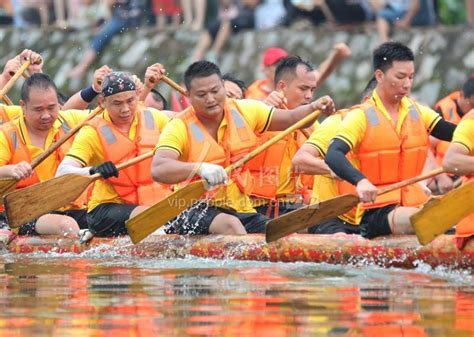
(452, 12)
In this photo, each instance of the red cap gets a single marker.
(273, 55)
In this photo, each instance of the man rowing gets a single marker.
(124, 130)
(459, 160)
(452, 108)
(27, 137)
(211, 134)
(275, 190)
(310, 160)
(389, 139)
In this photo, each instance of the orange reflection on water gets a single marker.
(80, 297)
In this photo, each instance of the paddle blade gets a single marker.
(145, 223)
(29, 203)
(6, 185)
(309, 216)
(439, 215)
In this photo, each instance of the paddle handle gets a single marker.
(14, 78)
(7, 100)
(65, 138)
(410, 181)
(174, 85)
(135, 160)
(270, 142)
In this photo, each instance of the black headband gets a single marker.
(116, 82)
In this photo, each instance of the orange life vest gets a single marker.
(450, 112)
(305, 182)
(257, 90)
(134, 184)
(20, 152)
(385, 157)
(239, 139)
(265, 167)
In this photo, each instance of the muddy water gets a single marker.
(51, 295)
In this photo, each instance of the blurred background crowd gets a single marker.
(218, 20)
(244, 14)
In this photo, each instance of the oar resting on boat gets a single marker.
(33, 201)
(310, 215)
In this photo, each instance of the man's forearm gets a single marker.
(172, 171)
(340, 165)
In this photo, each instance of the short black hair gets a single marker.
(388, 52)
(231, 78)
(37, 80)
(288, 65)
(468, 88)
(157, 96)
(200, 69)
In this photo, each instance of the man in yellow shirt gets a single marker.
(452, 108)
(210, 135)
(388, 137)
(310, 160)
(459, 160)
(275, 191)
(27, 137)
(123, 131)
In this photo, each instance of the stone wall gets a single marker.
(444, 56)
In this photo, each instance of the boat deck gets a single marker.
(398, 251)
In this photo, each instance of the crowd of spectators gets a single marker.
(217, 20)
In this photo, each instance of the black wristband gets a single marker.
(88, 94)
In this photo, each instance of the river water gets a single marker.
(112, 295)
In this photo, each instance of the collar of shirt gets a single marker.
(402, 109)
(25, 136)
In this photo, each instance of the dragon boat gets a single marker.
(395, 251)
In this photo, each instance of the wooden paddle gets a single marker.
(145, 223)
(168, 81)
(314, 214)
(8, 184)
(439, 215)
(14, 78)
(33, 201)
(7, 100)
(174, 85)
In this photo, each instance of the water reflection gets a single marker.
(47, 296)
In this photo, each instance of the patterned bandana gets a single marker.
(116, 82)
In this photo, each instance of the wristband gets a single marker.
(88, 94)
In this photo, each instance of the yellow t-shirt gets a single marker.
(87, 150)
(354, 125)
(174, 137)
(12, 112)
(47, 169)
(324, 187)
(464, 134)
